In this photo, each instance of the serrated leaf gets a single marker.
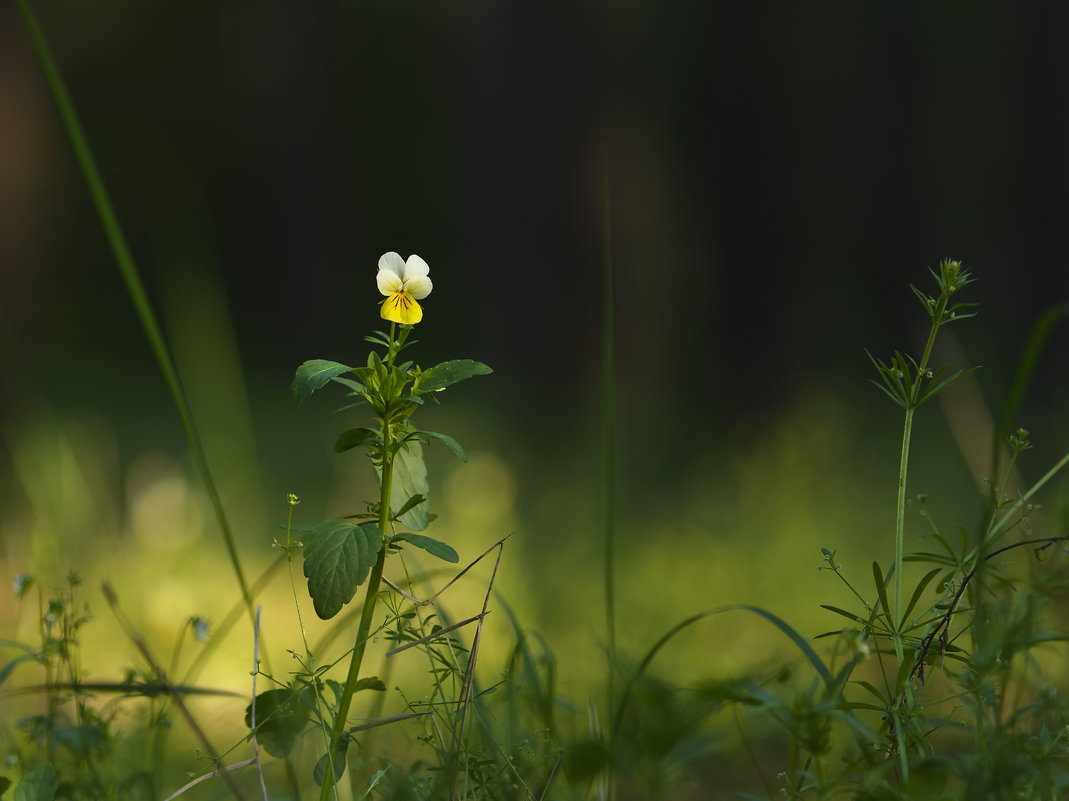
(432, 546)
(337, 558)
(312, 375)
(281, 715)
(370, 683)
(354, 438)
(447, 373)
(451, 443)
(38, 784)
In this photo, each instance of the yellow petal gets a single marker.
(401, 308)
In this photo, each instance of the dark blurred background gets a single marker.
(779, 174)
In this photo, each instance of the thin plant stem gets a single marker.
(367, 613)
(900, 527)
(134, 286)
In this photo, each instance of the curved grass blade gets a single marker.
(138, 296)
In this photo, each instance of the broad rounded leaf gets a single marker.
(312, 375)
(337, 558)
(281, 715)
(38, 784)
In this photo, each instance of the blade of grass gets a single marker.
(608, 485)
(110, 223)
(1026, 366)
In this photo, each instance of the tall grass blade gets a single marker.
(130, 277)
(1026, 366)
(608, 484)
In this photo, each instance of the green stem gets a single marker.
(900, 527)
(370, 597)
(136, 289)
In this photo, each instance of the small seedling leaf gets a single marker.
(337, 557)
(431, 546)
(447, 373)
(312, 375)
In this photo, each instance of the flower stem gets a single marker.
(370, 596)
(900, 527)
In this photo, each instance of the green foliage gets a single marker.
(39, 784)
(448, 373)
(338, 555)
(430, 545)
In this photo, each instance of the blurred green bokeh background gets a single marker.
(778, 178)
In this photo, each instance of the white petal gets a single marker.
(418, 287)
(392, 261)
(388, 281)
(416, 267)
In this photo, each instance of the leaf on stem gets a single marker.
(281, 715)
(354, 438)
(324, 765)
(447, 373)
(432, 546)
(337, 558)
(410, 480)
(313, 375)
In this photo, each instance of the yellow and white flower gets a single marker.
(403, 283)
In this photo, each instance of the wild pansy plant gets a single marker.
(340, 555)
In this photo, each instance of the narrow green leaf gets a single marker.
(849, 615)
(447, 373)
(415, 500)
(337, 558)
(449, 441)
(312, 375)
(281, 716)
(797, 639)
(38, 784)
(431, 546)
(354, 438)
(355, 386)
(921, 586)
(881, 590)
